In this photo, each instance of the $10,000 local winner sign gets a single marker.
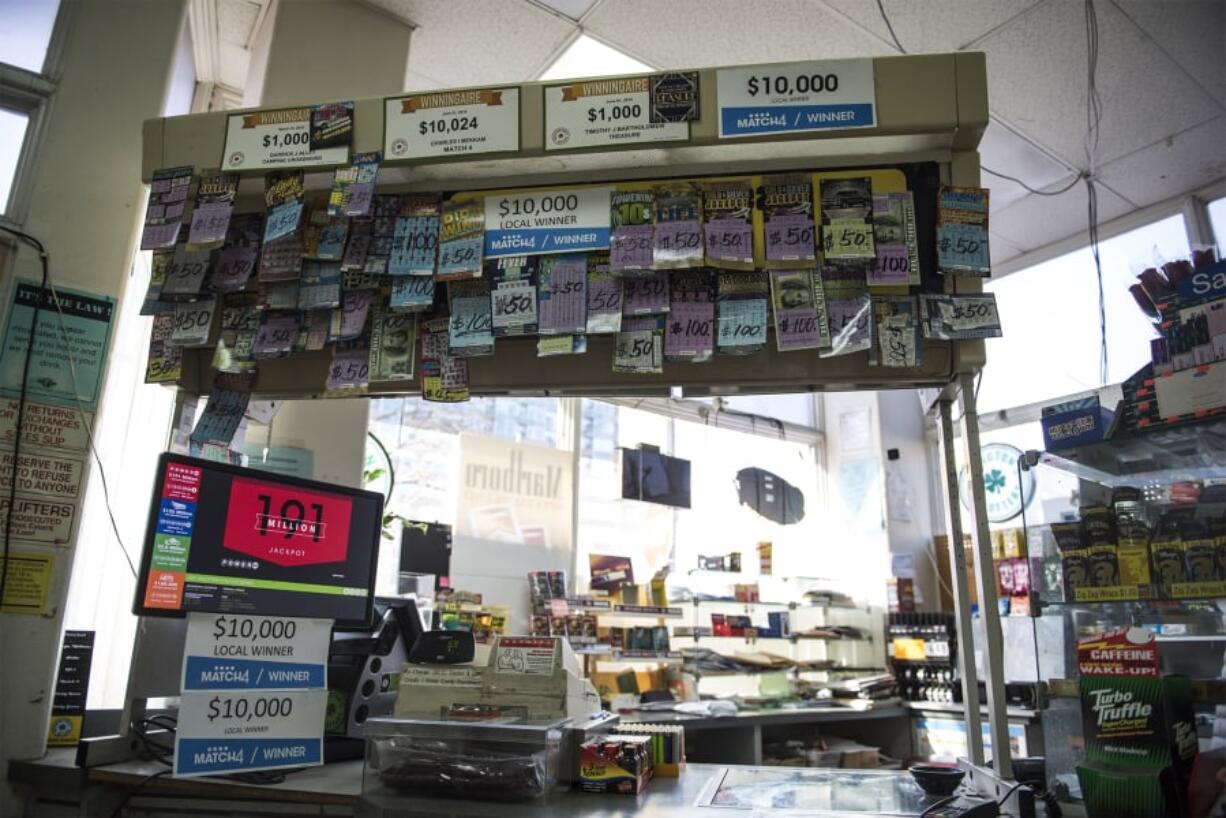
(824, 95)
(550, 221)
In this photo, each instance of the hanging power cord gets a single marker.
(132, 791)
(886, 18)
(47, 286)
(1094, 118)
(21, 402)
(1036, 191)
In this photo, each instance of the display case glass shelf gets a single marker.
(1128, 532)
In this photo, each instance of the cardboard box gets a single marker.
(1075, 423)
(540, 674)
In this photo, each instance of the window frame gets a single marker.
(32, 94)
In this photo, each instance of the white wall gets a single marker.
(908, 487)
(86, 202)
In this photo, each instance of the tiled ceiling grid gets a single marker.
(1162, 77)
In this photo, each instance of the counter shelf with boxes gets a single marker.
(923, 657)
(1142, 546)
(596, 626)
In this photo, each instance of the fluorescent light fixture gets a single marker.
(587, 57)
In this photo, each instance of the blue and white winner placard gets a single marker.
(238, 652)
(820, 95)
(241, 731)
(547, 221)
(254, 693)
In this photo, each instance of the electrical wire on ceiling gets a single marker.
(1094, 118)
(886, 18)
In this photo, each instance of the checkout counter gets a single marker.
(524, 674)
(58, 787)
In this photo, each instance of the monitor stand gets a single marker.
(157, 662)
(359, 661)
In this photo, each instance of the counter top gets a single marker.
(335, 789)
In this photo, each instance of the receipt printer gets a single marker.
(363, 667)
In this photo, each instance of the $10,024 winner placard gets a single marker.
(451, 123)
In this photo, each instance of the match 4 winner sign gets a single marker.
(796, 97)
(254, 693)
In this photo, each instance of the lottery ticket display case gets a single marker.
(890, 125)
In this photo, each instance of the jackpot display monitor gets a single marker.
(223, 539)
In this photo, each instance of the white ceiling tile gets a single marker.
(1036, 81)
(1173, 166)
(928, 27)
(1006, 152)
(236, 19)
(1192, 32)
(479, 42)
(1001, 248)
(729, 32)
(1036, 221)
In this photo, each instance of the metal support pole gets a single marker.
(962, 603)
(993, 647)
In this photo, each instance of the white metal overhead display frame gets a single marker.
(929, 113)
(929, 109)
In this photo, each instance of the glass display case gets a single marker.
(1129, 532)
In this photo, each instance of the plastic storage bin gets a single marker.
(462, 759)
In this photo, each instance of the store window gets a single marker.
(13, 127)
(1050, 318)
(1217, 218)
(26, 28)
(25, 32)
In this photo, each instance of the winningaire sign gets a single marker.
(287, 527)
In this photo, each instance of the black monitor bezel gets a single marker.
(146, 558)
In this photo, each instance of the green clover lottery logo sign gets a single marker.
(1005, 492)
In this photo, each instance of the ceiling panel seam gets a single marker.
(1162, 50)
(1021, 15)
(556, 52)
(857, 24)
(1169, 137)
